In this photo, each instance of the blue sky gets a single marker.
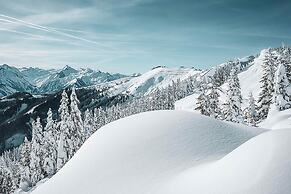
(134, 35)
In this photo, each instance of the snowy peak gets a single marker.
(12, 80)
(36, 80)
(66, 71)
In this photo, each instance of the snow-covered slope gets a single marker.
(260, 166)
(277, 119)
(12, 80)
(69, 76)
(249, 81)
(36, 80)
(145, 152)
(159, 77)
(36, 75)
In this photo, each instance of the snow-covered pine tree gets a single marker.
(88, 123)
(99, 117)
(190, 86)
(77, 129)
(251, 111)
(203, 104)
(36, 155)
(232, 110)
(286, 60)
(212, 97)
(50, 145)
(25, 150)
(281, 96)
(267, 85)
(10, 170)
(65, 144)
(7, 183)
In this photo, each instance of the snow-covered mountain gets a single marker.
(12, 80)
(158, 77)
(41, 81)
(251, 72)
(69, 76)
(189, 153)
(36, 75)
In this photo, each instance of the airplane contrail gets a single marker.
(48, 29)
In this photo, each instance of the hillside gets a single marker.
(159, 77)
(142, 154)
(17, 110)
(11, 81)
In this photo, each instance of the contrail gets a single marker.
(39, 37)
(48, 29)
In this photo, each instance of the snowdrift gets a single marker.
(260, 166)
(277, 119)
(144, 153)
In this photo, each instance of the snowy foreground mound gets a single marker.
(177, 152)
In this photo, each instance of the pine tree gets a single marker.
(203, 103)
(88, 123)
(232, 111)
(281, 96)
(78, 125)
(285, 59)
(64, 142)
(25, 150)
(214, 102)
(50, 145)
(7, 183)
(267, 85)
(251, 112)
(36, 156)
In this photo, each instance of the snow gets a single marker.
(12, 81)
(249, 82)
(277, 119)
(260, 166)
(144, 153)
(156, 78)
(187, 103)
(250, 79)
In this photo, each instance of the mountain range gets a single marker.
(41, 81)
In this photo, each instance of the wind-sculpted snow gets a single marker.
(260, 166)
(145, 152)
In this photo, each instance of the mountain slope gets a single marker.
(12, 80)
(69, 76)
(36, 75)
(249, 79)
(142, 153)
(158, 77)
(16, 111)
(41, 81)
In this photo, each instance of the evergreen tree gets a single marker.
(251, 112)
(232, 111)
(267, 85)
(7, 183)
(88, 123)
(203, 104)
(214, 102)
(65, 144)
(36, 156)
(50, 145)
(25, 150)
(77, 129)
(281, 96)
